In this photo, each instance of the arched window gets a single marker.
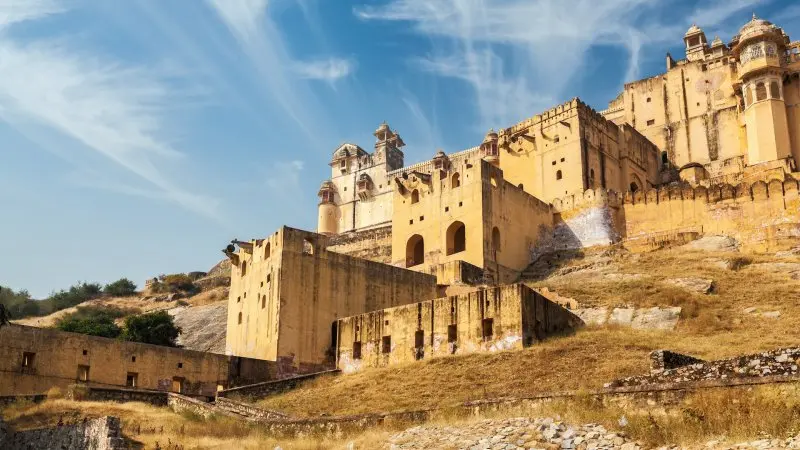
(761, 92)
(244, 268)
(634, 187)
(559, 175)
(495, 240)
(266, 251)
(240, 318)
(415, 251)
(455, 180)
(774, 90)
(748, 96)
(414, 196)
(456, 238)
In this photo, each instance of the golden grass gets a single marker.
(712, 327)
(145, 426)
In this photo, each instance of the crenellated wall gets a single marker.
(761, 216)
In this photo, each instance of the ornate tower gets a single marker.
(759, 47)
(327, 220)
(387, 147)
(489, 148)
(696, 43)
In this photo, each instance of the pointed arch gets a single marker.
(414, 196)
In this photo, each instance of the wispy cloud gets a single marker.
(13, 11)
(523, 54)
(106, 106)
(285, 174)
(330, 69)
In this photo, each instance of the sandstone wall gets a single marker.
(32, 360)
(495, 319)
(374, 244)
(761, 216)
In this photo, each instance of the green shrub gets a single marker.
(177, 282)
(156, 328)
(120, 288)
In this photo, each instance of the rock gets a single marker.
(622, 316)
(656, 318)
(788, 253)
(791, 269)
(723, 264)
(750, 310)
(771, 315)
(592, 316)
(697, 285)
(713, 244)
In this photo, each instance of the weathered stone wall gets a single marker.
(457, 272)
(6, 400)
(95, 434)
(374, 244)
(640, 318)
(761, 216)
(247, 410)
(154, 398)
(494, 319)
(32, 360)
(182, 403)
(269, 388)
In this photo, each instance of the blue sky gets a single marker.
(138, 137)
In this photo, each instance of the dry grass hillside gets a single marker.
(726, 323)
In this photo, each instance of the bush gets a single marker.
(177, 282)
(96, 324)
(120, 288)
(156, 328)
(17, 304)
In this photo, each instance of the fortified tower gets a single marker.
(358, 195)
(760, 46)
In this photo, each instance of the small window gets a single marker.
(244, 268)
(521, 186)
(267, 251)
(421, 218)
(239, 299)
(133, 359)
(345, 188)
(761, 92)
(411, 222)
(452, 333)
(703, 67)
(446, 208)
(652, 121)
(648, 99)
(664, 158)
(556, 139)
(554, 163)
(488, 329)
(559, 175)
(27, 359)
(269, 277)
(178, 384)
(245, 294)
(262, 284)
(132, 380)
(85, 352)
(356, 350)
(414, 196)
(308, 247)
(263, 301)
(460, 203)
(563, 159)
(386, 346)
(240, 318)
(180, 365)
(83, 373)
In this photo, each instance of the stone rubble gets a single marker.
(782, 362)
(511, 434)
(544, 433)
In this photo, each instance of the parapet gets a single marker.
(758, 190)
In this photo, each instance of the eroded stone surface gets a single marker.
(697, 285)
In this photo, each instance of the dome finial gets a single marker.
(754, 15)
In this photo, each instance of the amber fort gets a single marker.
(415, 261)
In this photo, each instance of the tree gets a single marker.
(4, 317)
(120, 288)
(155, 328)
(92, 320)
(103, 326)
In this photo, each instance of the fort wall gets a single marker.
(32, 360)
(374, 244)
(283, 301)
(761, 216)
(500, 318)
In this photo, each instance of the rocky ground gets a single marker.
(511, 434)
(779, 362)
(548, 433)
